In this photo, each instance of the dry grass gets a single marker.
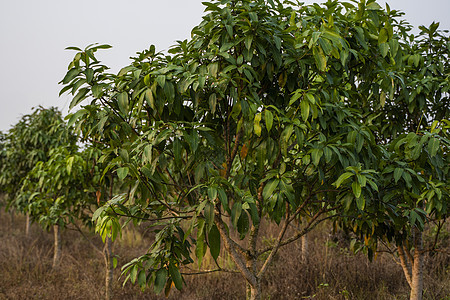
(331, 272)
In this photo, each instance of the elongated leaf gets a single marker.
(397, 174)
(209, 214)
(257, 125)
(342, 178)
(319, 57)
(212, 102)
(356, 187)
(122, 100)
(433, 146)
(214, 242)
(175, 275)
(268, 119)
(270, 187)
(304, 105)
(160, 280)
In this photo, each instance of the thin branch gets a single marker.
(230, 245)
(209, 271)
(277, 245)
(87, 239)
(310, 226)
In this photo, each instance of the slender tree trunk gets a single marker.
(109, 267)
(417, 269)
(255, 292)
(27, 224)
(405, 264)
(305, 253)
(57, 251)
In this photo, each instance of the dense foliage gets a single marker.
(272, 112)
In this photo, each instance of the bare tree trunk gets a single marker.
(405, 264)
(255, 292)
(27, 224)
(417, 269)
(305, 253)
(57, 251)
(109, 267)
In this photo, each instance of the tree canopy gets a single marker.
(276, 112)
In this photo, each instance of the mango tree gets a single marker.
(55, 192)
(250, 121)
(412, 173)
(28, 142)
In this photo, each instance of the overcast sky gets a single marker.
(34, 34)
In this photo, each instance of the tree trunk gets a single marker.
(57, 251)
(255, 292)
(27, 224)
(109, 267)
(405, 264)
(417, 269)
(304, 239)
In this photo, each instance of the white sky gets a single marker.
(33, 35)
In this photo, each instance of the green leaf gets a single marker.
(200, 249)
(214, 242)
(397, 174)
(383, 36)
(316, 154)
(212, 102)
(268, 119)
(80, 96)
(223, 198)
(177, 152)
(328, 154)
(384, 49)
(142, 279)
(373, 6)
(356, 187)
(236, 212)
(122, 172)
(161, 80)
(360, 202)
(122, 99)
(69, 164)
(149, 98)
(248, 41)
(71, 74)
(269, 188)
(342, 178)
(433, 146)
(209, 214)
(175, 275)
(160, 280)
(319, 57)
(304, 106)
(257, 125)
(243, 224)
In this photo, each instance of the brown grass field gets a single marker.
(331, 272)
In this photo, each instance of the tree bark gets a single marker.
(255, 292)
(57, 250)
(304, 240)
(109, 267)
(417, 269)
(404, 263)
(27, 224)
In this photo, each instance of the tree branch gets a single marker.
(269, 259)
(230, 245)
